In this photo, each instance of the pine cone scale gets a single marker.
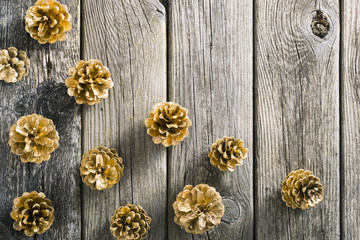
(32, 212)
(130, 222)
(301, 190)
(198, 209)
(101, 168)
(14, 65)
(227, 153)
(33, 138)
(48, 21)
(168, 123)
(89, 82)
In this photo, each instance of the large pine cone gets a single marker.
(33, 138)
(89, 82)
(301, 189)
(32, 212)
(14, 65)
(101, 168)
(198, 209)
(227, 152)
(168, 123)
(48, 21)
(130, 222)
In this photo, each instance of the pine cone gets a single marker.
(48, 21)
(198, 209)
(227, 152)
(89, 82)
(101, 168)
(130, 222)
(301, 189)
(33, 138)
(14, 65)
(33, 213)
(168, 123)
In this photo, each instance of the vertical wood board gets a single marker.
(210, 73)
(129, 37)
(297, 116)
(43, 92)
(350, 123)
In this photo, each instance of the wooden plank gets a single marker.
(129, 37)
(297, 116)
(350, 115)
(210, 59)
(42, 92)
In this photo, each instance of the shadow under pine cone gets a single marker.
(4, 232)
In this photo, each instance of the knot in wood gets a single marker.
(232, 210)
(320, 25)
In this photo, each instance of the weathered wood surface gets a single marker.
(129, 37)
(42, 92)
(210, 73)
(350, 120)
(306, 113)
(297, 116)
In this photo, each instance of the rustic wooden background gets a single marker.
(252, 69)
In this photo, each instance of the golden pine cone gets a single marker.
(101, 168)
(168, 123)
(33, 138)
(130, 222)
(48, 21)
(89, 82)
(301, 189)
(198, 209)
(14, 65)
(32, 212)
(227, 152)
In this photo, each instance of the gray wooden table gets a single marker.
(249, 69)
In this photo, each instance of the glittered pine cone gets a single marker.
(130, 222)
(301, 189)
(168, 123)
(33, 138)
(32, 212)
(48, 21)
(101, 168)
(227, 152)
(89, 82)
(14, 65)
(198, 209)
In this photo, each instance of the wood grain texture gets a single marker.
(301, 104)
(210, 73)
(297, 116)
(350, 120)
(42, 92)
(128, 36)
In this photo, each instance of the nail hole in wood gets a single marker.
(320, 24)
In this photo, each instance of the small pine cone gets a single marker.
(227, 152)
(130, 222)
(14, 65)
(33, 138)
(168, 123)
(101, 168)
(301, 189)
(32, 212)
(48, 21)
(198, 209)
(89, 82)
